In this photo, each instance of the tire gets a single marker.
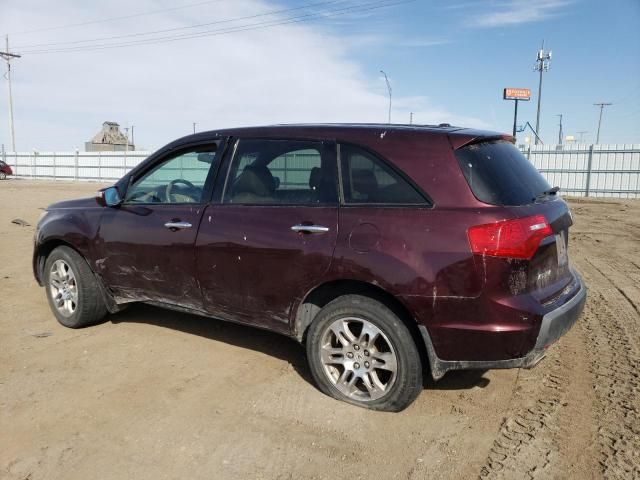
(72, 289)
(357, 340)
(3, 176)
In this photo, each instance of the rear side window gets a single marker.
(367, 179)
(282, 172)
(499, 174)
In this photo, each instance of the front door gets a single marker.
(272, 237)
(147, 248)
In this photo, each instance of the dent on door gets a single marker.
(253, 265)
(147, 253)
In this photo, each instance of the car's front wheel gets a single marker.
(3, 176)
(360, 352)
(72, 289)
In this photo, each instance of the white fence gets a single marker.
(95, 166)
(581, 170)
(589, 170)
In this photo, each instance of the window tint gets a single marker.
(366, 179)
(179, 179)
(282, 172)
(499, 174)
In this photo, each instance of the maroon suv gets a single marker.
(386, 249)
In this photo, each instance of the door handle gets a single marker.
(177, 225)
(310, 229)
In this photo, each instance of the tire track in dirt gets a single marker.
(612, 328)
(524, 444)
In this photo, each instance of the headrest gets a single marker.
(315, 178)
(255, 179)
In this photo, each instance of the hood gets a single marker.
(82, 203)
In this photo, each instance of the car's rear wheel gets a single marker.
(72, 289)
(360, 352)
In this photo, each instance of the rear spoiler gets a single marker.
(464, 138)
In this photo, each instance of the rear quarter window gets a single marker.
(499, 174)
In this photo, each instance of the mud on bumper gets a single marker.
(554, 325)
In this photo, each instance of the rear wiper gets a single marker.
(546, 193)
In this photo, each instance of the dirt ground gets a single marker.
(151, 394)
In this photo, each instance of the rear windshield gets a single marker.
(499, 174)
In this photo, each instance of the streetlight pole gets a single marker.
(386, 79)
(542, 65)
(601, 105)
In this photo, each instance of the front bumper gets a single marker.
(553, 326)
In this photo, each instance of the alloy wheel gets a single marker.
(358, 359)
(63, 287)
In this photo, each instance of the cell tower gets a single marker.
(542, 65)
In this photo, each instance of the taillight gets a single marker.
(519, 238)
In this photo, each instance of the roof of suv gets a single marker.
(459, 135)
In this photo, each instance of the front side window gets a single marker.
(179, 179)
(367, 179)
(280, 172)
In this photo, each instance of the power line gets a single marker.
(260, 25)
(153, 32)
(363, 7)
(113, 19)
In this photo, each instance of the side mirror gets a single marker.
(109, 197)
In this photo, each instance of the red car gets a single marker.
(5, 170)
(385, 249)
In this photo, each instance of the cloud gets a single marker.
(287, 74)
(516, 12)
(368, 40)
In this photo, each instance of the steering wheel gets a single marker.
(172, 183)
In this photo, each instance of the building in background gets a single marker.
(109, 139)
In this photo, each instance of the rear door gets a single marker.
(500, 175)
(272, 235)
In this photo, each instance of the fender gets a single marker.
(74, 223)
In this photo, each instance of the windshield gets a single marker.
(499, 174)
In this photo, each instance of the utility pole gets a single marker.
(386, 79)
(7, 56)
(126, 134)
(194, 127)
(560, 134)
(601, 105)
(132, 140)
(581, 133)
(411, 118)
(542, 65)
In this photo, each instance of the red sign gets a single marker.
(516, 94)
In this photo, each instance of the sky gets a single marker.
(228, 63)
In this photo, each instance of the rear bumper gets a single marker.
(553, 326)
